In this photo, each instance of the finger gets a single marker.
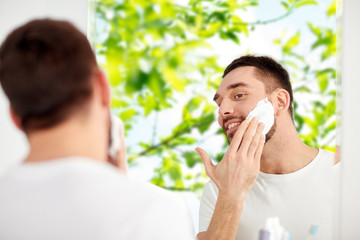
(235, 143)
(248, 135)
(112, 161)
(122, 152)
(256, 139)
(259, 150)
(209, 166)
(118, 147)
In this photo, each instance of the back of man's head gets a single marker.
(45, 71)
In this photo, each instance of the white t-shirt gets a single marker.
(300, 199)
(79, 198)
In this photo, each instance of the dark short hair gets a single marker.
(45, 71)
(270, 72)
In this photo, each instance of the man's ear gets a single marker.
(281, 101)
(104, 87)
(15, 119)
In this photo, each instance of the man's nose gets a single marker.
(226, 108)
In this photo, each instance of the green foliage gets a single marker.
(318, 128)
(305, 2)
(291, 43)
(158, 56)
(297, 3)
(331, 9)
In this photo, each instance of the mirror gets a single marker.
(165, 60)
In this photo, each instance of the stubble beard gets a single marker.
(271, 132)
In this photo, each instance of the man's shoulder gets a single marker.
(116, 183)
(80, 176)
(153, 192)
(112, 183)
(92, 184)
(89, 194)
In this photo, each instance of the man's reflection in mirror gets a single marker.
(276, 175)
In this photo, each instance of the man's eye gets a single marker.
(239, 95)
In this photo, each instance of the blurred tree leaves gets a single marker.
(158, 56)
(318, 128)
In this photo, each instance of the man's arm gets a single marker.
(234, 177)
(225, 220)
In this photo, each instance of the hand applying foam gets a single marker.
(117, 149)
(264, 110)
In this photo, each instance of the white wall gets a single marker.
(13, 13)
(350, 182)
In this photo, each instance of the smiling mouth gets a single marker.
(230, 124)
(231, 127)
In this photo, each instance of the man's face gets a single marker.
(237, 95)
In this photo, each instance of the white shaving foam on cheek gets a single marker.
(264, 110)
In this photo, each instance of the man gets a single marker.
(66, 188)
(290, 180)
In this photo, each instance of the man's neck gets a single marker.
(286, 153)
(71, 138)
